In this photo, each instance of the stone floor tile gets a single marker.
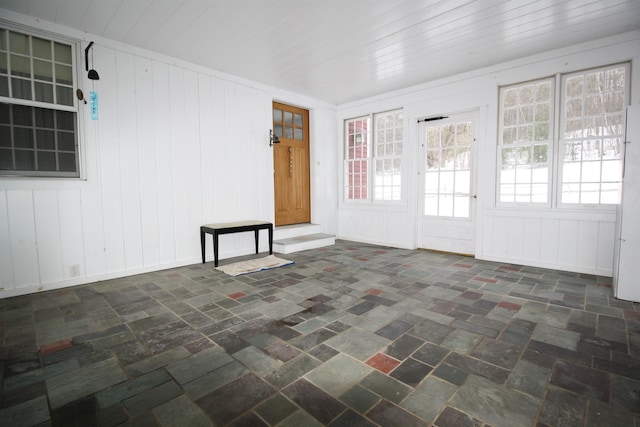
(316, 402)
(360, 399)
(309, 341)
(358, 343)
(411, 372)
(239, 396)
(471, 365)
(461, 341)
(451, 374)
(563, 408)
(157, 361)
(451, 417)
(431, 331)
(386, 387)
(292, 370)
(199, 364)
(427, 400)
(120, 392)
(351, 419)
(556, 336)
(181, 411)
(382, 362)
(497, 352)
(404, 346)
(626, 393)
(275, 409)
(387, 414)
(83, 382)
(29, 413)
(298, 419)
(210, 382)
(338, 375)
(529, 378)
(257, 361)
(582, 380)
(149, 399)
(495, 404)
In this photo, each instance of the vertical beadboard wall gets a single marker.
(175, 146)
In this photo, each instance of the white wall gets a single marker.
(175, 146)
(573, 240)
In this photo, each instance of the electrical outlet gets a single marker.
(74, 270)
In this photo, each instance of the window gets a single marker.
(38, 112)
(384, 153)
(589, 112)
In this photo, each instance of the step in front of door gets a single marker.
(303, 243)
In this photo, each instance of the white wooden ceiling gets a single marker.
(342, 50)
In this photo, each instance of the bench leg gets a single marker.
(270, 239)
(215, 249)
(256, 238)
(202, 242)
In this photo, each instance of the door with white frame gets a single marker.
(447, 183)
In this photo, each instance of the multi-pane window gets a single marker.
(374, 164)
(38, 112)
(357, 158)
(388, 152)
(590, 115)
(526, 140)
(591, 135)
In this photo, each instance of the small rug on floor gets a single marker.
(254, 265)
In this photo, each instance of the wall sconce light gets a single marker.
(273, 139)
(93, 74)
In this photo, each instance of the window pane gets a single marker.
(41, 48)
(46, 161)
(19, 43)
(21, 89)
(45, 140)
(6, 162)
(62, 53)
(277, 115)
(43, 70)
(20, 66)
(44, 92)
(25, 160)
(67, 162)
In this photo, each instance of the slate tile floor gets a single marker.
(351, 335)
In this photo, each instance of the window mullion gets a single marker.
(557, 147)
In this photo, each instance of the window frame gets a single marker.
(371, 159)
(7, 175)
(555, 159)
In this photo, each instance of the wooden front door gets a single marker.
(291, 164)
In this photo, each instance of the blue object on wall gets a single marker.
(93, 105)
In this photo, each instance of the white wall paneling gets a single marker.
(175, 146)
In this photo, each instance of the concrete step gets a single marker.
(303, 243)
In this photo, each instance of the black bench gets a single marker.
(233, 227)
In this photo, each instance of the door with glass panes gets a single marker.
(291, 165)
(446, 217)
